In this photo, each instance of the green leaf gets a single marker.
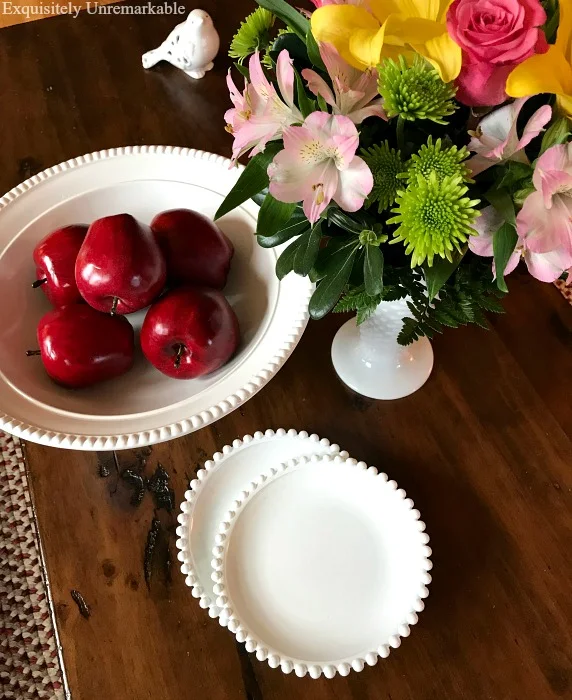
(503, 203)
(521, 195)
(556, 134)
(440, 272)
(295, 227)
(335, 246)
(295, 46)
(551, 25)
(307, 251)
(273, 216)
(331, 287)
(512, 173)
(243, 70)
(285, 263)
(294, 19)
(305, 104)
(373, 270)
(314, 52)
(344, 221)
(504, 242)
(252, 180)
(322, 104)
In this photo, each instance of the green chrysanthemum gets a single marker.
(386, 164)
(415, 92)
(252, 35)
(434, 216)
(434, 157)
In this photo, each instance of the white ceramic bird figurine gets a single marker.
(191, 46)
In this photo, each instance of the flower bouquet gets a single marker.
(408, 149)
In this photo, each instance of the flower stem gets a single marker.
(400, 131)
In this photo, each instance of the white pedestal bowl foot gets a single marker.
(370, 361)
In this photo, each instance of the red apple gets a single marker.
(80, 346)
(55, 257)
(195, 249)
(120, 268)
(189, 332)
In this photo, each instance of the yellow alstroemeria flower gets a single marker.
(548, 72)
(363, 35)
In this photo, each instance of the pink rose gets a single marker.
(495, 35)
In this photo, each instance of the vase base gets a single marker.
(380, 378)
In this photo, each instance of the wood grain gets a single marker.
(484, 449)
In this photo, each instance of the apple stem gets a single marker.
(32, 353)
(180, 350)
(39, 283)
(114, 306)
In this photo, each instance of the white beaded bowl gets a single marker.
(321, 566)
(143, 406)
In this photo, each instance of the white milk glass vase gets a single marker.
(370, 361)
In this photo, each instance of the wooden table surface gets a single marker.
(484, 449)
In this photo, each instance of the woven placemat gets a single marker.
(30, 658)
(566, 289)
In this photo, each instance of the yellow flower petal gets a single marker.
(444, 55)
(565, 106)
(548, 72)
(428, 9)
(382, 9)
(336, 24)
(415, 30)
(366, 47)
(564, 35)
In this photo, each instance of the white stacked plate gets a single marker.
(316, 562)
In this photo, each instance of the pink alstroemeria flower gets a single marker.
(496, 139)
(546, 267)
(355, 92)
(318, 164)
(545, 220)
(259, 114)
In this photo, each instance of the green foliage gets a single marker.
(441, 270)
(307, 251)
(252, 35)
(291, 17)
(273, 216)
(386, 164)
(501, 200)
(359, 301)
(415, 91)
(305, 103)
(504, 242)
(333, 283)
(435, 218)
(252, 180)
(435, 157)
(373, 270)
(462, 300)
(557, 133)
(295, 226)
(314, 52)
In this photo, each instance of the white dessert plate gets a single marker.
(215, 488)
(143, 406)
(321, 566)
